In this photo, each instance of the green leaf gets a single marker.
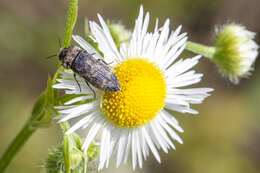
(86, 27)
(89, 39)
(55, 90)
(39, 107)
(49, 92)
(93, 44)
(70, 23)
(77, 140)
(44, 107)
(52, 96)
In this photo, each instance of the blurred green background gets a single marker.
(223, 138)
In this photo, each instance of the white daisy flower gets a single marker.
(236, 51)
(135, 120)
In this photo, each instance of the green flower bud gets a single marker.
(93, 151)
(235, 51)
(55, 161)
(69, 155)
(76, 156)
(119, 33)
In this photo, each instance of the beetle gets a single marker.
(94, 71)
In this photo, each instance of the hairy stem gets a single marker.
(16, 145)
(206, 51)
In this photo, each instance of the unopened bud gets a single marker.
(235, 51)
(119, 33)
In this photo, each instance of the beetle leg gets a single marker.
(105, 62)
(77, 81)
(91, 89)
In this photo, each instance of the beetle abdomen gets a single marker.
(95, 72)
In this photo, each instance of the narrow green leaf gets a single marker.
(49, 92)
(39, 107)
(77, 140)
(70, 23)
(93, 44)
(43, 108)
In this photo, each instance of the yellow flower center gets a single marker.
(142, 94)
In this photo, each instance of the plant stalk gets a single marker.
(206, 51)
(29, 128)
(16, 145)
(70, 22)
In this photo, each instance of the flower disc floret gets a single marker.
(143, 90)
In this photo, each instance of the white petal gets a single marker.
(182, 66)
(133, 149)
(110, 56)
(161, 41)
(84, 121)
(137, 141)
(77, 99)
(127, 150)
(158, 137)
(171, 120)
(179, 108)
(85, 45)
(109, 37)
(172, 54)
(121, 147)
(162, 131)
(171, 132)
(92, 133)
(77, 111)
(151, 145)
(144, 145)
(103, 155)
(191, 91)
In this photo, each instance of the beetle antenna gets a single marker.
(51, 56)
(55, 54)
(59, 41)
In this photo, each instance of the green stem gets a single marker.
(206, 51)
(16, 145)
(28, 128)
(66, 146)
(70, 23)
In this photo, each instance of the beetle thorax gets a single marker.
(67, 55)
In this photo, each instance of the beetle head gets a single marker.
(67, 55)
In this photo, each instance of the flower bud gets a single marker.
(235, 51)
(55, 161)
(76, 157)
(119, 33)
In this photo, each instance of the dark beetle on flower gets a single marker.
(93, 70)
